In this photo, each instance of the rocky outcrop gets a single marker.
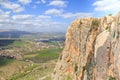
(92, 50)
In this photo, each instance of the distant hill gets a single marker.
(11, 33)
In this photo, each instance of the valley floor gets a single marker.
(36, 63)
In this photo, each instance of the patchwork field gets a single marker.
(37, 59)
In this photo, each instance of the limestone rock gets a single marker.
(92, 50)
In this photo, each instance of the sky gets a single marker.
(51, 15)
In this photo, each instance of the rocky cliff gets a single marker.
(92, 50)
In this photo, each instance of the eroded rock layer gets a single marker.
(92, 50)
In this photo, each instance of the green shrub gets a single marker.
(76, 67)
(95, 23)
(114, 35)
(107, 28)
(112, 78)
(69, 77)
(110, 14)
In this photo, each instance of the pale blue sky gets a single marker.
(51, 15)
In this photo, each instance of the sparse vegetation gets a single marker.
(112, 78)
(89, 68)
(38, 58)
(110, 14)
(119, 23)
(114, 35)
(34, 72)
(18, 43)
(76, 68)
(107, 28)
(27, 71)
(43, 55)
(80, 24)
(5, 61)
(95, 23)
(69, 77)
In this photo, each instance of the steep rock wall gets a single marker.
(92, 50)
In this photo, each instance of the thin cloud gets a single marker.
(107, 5)
(12, 6)
(12, 16)
(25, 1)
(29, 22)
(43, 17)
(4, 16)
(60, 13)
(43, 1)
(38, 2)
(54, 12)
(58, 3)
(76, 15)
(22, 17)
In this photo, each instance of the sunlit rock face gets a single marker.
(92, 50)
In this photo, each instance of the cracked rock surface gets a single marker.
(92, 50)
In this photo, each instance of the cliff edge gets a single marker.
(92, 50)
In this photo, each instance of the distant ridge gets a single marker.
(12, 33)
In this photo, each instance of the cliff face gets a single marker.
(92, 50)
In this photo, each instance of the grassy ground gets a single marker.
(43, 55)
(34, 72)
(4, 61)
(18, 43)
(35, 64)
(12, 68)
(21, 75)
(41, 64)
